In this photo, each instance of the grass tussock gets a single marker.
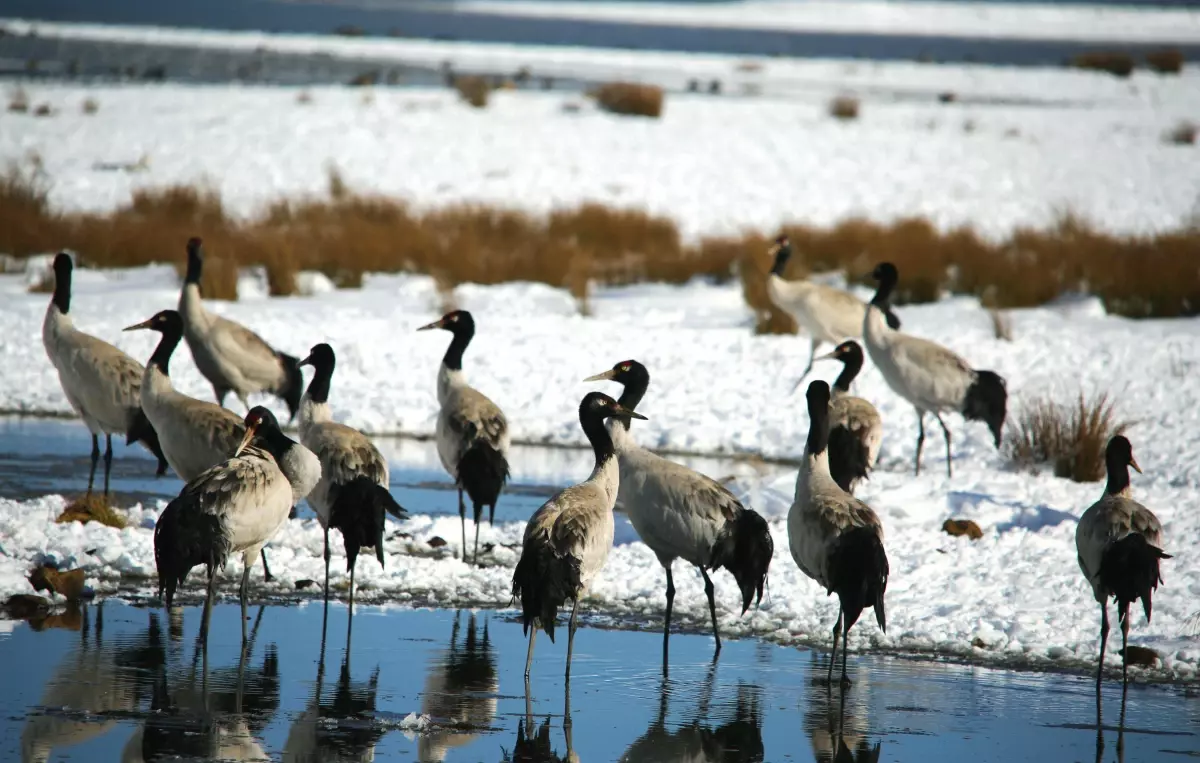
(1166, 61)
(1070, 436)
(92, 508)
(1116, 63)
(1182, 134)
(476, 91)
(18, 101)
(844, 107)
(345, 234)
(630, 99)
(90, 106)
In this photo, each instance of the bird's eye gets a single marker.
(625, 367)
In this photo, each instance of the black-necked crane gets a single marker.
(352, 494)
(835, 539)
(682, 514)
(1119, 542)
(855, 427)
(197, 435)
(472, 433)
(567, 540)
(235, 507)
(232, 357)
(930, 377)
(825, 313)
(102, 384)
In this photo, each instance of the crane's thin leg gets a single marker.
(478, 517)
(667, 627)
(571, 637)
(352, 584)
(267, 576)
(95, 460)
(845, 643)
(220, 394)
(206, 619)
(920, 437)
(242, 596)
(812, 357)
(107, 462)
(712, 607)
(529, 655)
(946, 432)
(837, 631)
(492, 514)
(462, 516)
(327, 555)
(1124, 655)
(1103, 643)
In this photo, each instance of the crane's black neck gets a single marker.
(195, 263)
(781, 259)
(172, 332)
(883, 293)
(1118, 475)
(818, 428)
(62, 283)
(454, 353)
(272, 439)
(318, 388)
(593, 428)
(851, 365)
(635, 386)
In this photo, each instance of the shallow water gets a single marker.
(130, 685)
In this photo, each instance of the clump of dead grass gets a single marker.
(1071, 437)
(844, 107)
(90, 106)
(476, 91)
(1116, 63)
(1182, 134)
(18, 100)
(93, 508)
(1165, 61)
(630, 99)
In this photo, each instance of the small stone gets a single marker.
(437, 541)
(979, 643)
(305, 583)
(1139, 655)
(960, 527)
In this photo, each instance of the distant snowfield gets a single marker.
(1045, 21)
(1015, 597)
(1016, 148)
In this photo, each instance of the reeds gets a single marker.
(1070, 436)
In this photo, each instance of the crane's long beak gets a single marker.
(1133, 462)
(827, 356)
(604, 376)
(306, 362)
(246, 438)
(620, 410)
(435, 325)
(143, 325)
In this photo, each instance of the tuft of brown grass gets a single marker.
(1116, 63)
(1001, 324)
(43, 110)
(844, 107)
(304, 98)
(630, 99)
(474, 90)
(1182, 134)
(1070, 436)
(18, 100)
(90, 106)
(962, 527)
(1165, 61)
(92, 508)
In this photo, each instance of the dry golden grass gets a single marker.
(90, 106)
(1114, 62)
(92, 509)
(1182, 134)
(1166, 61)
(1070, 436)
(630, 99)
(474, 90)
(844, 107)
(345, 234)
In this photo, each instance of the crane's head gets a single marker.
(320, 356)
(259, 421)
(886, 273)
(195, 260)
(780, 251)
(456, 322)
(597, 405)
(164, 322)
(1119, 454)
(626, 372)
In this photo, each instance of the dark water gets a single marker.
(130, 685)
(436, 20)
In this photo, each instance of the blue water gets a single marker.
(130, 684)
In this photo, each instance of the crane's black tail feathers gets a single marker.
(543, 581)
(859, 574)
(987, 401)
(293, 383)
(141, 431)
(1129, 571)
(744, 547)
(358, 513)
(183, 538)
(482, 472)
(849, 459)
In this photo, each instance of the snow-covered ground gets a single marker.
(716, 387)
(1017, 147)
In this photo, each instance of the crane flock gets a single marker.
(244, 475)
